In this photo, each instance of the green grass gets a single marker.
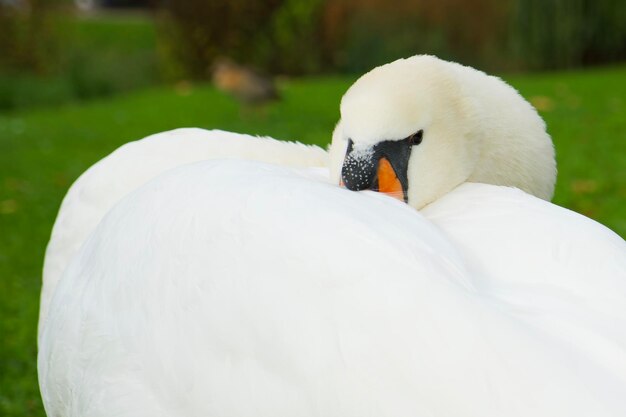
(43, 151)
(586, 115)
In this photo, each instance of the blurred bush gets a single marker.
(266, 34)
(50, 55)
(379, 31)
(495, 35)
(308, 36)
(26, 41)
(550, 34)
(108, 54)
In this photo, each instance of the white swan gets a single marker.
(239, 288)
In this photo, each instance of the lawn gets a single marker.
(43, 151)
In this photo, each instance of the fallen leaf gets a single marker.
(8, 206)
(583, 186)
(183, 88)
(542, 103)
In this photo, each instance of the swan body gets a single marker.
(192, 276)
(290, 296)
(133, 164)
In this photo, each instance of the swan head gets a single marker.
(419, 127)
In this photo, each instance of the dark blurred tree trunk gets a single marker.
(606, 31)
(27, 41)
(550, 34)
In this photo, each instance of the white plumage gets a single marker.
(476, 128)
(135, 163)
(244, 288)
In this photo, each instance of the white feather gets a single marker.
(178, 283)
(133, 164)
(476, 128)
(234, 288)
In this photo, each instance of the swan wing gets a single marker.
(135, 163)
(556, 270)
(237, 288)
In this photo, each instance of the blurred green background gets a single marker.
(78, 79)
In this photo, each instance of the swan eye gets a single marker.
(416, 138)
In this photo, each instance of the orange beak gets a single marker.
(388, 182)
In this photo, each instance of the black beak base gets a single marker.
(360, 167)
